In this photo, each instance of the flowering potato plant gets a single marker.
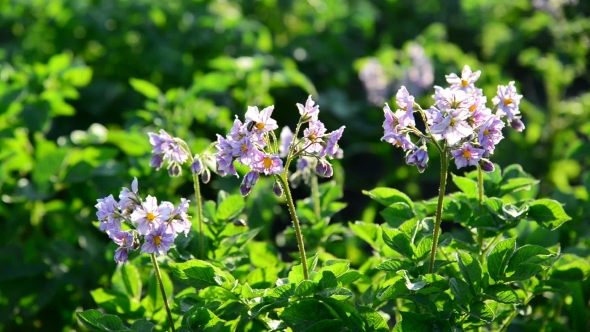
(476, 276)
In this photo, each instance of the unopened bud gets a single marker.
(206, 176)
(196, 166)
(277, 189)
(324, 168)
(240, 222)
(486, 165)
(174, 170)
(517, 125)
(249, 181)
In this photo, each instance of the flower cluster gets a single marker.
(459, 118)
(132, 222)
(253, 143)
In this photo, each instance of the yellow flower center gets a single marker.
(244, 147)
(312, 137)
(452, 122)
(467, 154)
(464, 82)
(124, 240)
(157, 240)
(405, 108)
(398, 143)
(507, 101)
(260, 125)
(267, 162)
(151, 216)
(472, 108)
(486, 132)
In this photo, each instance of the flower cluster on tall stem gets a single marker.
(459, 124)
(176, 152)
(253, 143)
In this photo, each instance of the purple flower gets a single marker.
(313, 137)
(179, 218)
(196, 165)
(158, 241)
(453, 127)
(268, 164)
(106, 214)
(446, 99)
(262, 120)
(390, 124)
(375, 81)
(237, 131)
(419, 158)
(157, 161)
(309, 111)
(285, 141)
(402, 141)
(479, 117)
(507, 101)
(490, 133)
(165, 145)
(149, 215)
(331, 147)
(128, 197)
(122, 238)
(324, 168)
(248, 182)
(467, 155)
(466, 81)
(225, 162)
(405, 101)
(121, 255)
(517, 125)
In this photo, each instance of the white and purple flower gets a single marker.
(149, 215)
(507, 101)
(467, 155)
(158, 241)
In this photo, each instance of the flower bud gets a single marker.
(419, 158)
(121, 255)
(517, 125)
(196, 166)
(249, 181)
(277, 189)
(157, 162)
(486, 165)
(206, 176)
(240, 222)
(174, 170)
(324, 168)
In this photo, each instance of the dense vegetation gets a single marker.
(83, 82)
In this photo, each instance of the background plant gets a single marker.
(205, 65)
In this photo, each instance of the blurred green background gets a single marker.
(83, 81)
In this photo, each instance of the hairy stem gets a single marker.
(159, 277)
(480, 196)
(441, 194)
(199, 215)
(285, 183)
(315, 193)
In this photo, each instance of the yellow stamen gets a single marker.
(464, 82)
(267, 162)
(157, 240)
(452, 122)
(486, 132)
(472, 108)
(151, 216)
(467, 154)
(244, 147)
(260, 125)
(124, 240)
(507, 101)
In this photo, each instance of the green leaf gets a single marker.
(349, 277)
(337, 266)
(388, 196)
(302, 315)
(526, 262)
(129, 275)
(397, 213)
(498, 258)
(468, 186)
(142, 325)
(296, 273)
(395, 290)
(230, 207)
(328, 280)
(305, 288)
(370, 233)
(501, 293)
(471, 271)
(570, 267)
(374, 321)
(547, 213)
(154, 300)
(516, 184)
(111, 323)
(145, 88)
(114, 301)
(200, 274)
(89, 317)
(204, 320)
(481, 311)
(461, 291)
(412, 322)
(424, 248)
(78, 76)
(393, 265)
(397, 241)
(262, 254)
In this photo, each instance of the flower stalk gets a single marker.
(315, 194)
(163, 291)
(480, 198)
(285, 184)
(198, 202)
(444, 163)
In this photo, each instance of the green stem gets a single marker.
(199, 215)
(441, 194)
(285, 183)
(159, 276)
(315, 193)
(480, 194)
